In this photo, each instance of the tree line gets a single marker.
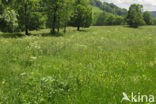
(105, 19)
(24, 15)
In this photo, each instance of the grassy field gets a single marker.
(94, 66)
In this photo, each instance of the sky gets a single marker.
(149, 5)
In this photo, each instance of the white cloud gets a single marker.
(149, 5)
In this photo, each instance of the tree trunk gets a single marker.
(53, 24)
(64, 29)
(54, 20)
(25, 17)
(53, 30)
(78, 28)
(58, 29)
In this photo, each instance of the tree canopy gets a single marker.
(82, 15)
(148, 18)
(25, 15)
(135, 15)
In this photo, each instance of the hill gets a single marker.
(96, 10)
(106, 13)
(153, 13)
(109, 7)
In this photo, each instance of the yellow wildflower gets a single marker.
(151, 64)
(33, 58)
(3, 82)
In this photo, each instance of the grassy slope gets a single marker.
(90, 67)
(96, 9)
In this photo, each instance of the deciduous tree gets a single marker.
(135, 15)
(147, 18)
(25, 9)
(82, 16)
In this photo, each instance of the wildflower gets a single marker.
(155, 61)
(151, 64)
(81, 80)
(23, 74)
(3, 82)
(33, 58)
(35, 45)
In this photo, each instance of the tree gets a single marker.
(82, 16)
(93, 2)
(111, 20)
(147, 18)
(1, 7)
(135, 15)
(8, 17)
(154, 21)
(54, 10)
(119, 20)
(101, 19)
(25, 9)
(66, 14)
(9, 22)
(108, 19)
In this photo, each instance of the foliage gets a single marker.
(154, 21)
(135, 15)
(108, 19)
(59, 12)
(27, 19)
(109, 7)
(8, 20)
(66, 13)
(82, 16)
(105, 12)
(36, 21)
(8, 17)
(147, 18)
(25, 15)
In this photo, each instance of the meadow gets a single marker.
(93, 66)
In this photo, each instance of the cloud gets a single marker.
(149, 5)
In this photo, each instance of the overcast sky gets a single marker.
(149, 5)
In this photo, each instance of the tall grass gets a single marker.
(94, 66)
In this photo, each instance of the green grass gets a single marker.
(94, 66)
(96, 9)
